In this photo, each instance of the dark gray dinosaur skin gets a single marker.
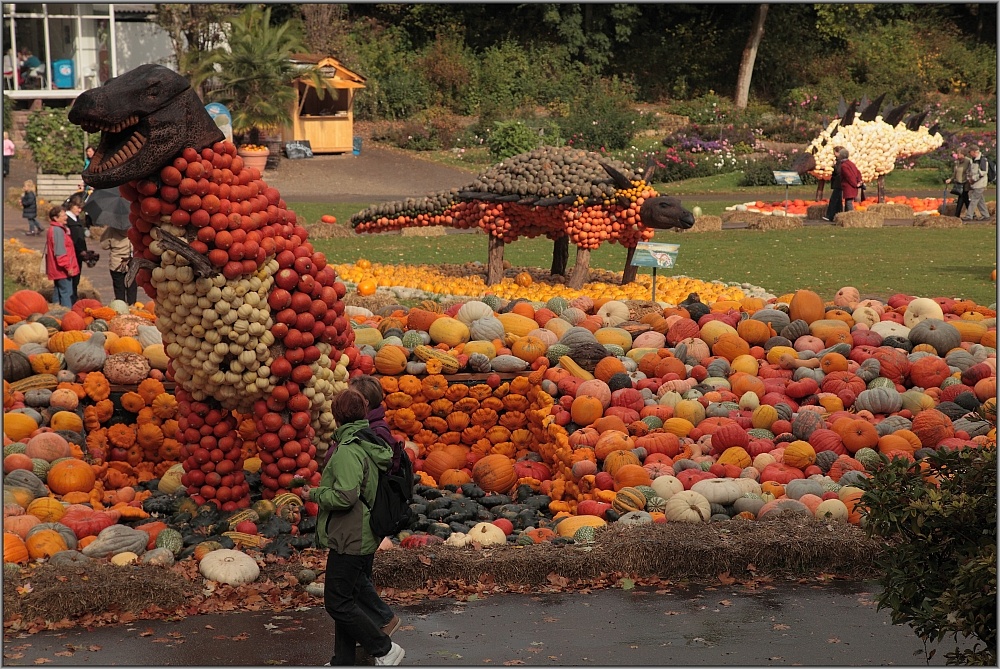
(146, 117)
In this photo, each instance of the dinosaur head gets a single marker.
(665, 212)
(145, 117)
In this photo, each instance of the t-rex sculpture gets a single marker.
(565, 194)
(251, 316)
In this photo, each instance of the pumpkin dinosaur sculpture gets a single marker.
(874, 142)
(251, 316)
(565, 194)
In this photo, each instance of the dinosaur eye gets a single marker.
(153, 90)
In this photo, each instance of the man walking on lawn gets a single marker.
(976, 179)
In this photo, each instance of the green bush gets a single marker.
(760, 172)
(395, 88)
(509, 138)
(708, 108)
(940, 565)
(56, 144)
(603, 117)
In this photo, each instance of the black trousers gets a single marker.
(836, 203)
(122, 292)
(76, 286)
(961, 201)
(346, 575)
(6, 165)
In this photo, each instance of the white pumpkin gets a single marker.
(832, 509)
(122, 559)
(457, 539)
(762, 460)
(748, 484)
(228, 566)
(749, 401)
(120, 306)
(688, 506)
(31, 333)
(920, 309)
(613, 312)
(891, 329)
(487, 534)
(866, 315)
(667, 486)
(719, 491)
(472, 311)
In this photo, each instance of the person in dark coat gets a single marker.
(837, 192)
(850, 180)
(29, 208)
(75, 223)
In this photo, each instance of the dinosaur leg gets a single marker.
(581, 270)
(819, 190)
(881, 188)
(494, 262)
(628, 276)
(560, 256)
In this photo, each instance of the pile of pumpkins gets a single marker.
(583, 412)
(693, 412)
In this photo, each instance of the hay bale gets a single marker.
(429, 231)
(328, 231)
(742, 216)
(786, 545)
(816, 212)
(706, 224)
(891, 210)
(857, 219)
(938, 222)
(773, 222)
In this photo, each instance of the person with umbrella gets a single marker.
(107, 208)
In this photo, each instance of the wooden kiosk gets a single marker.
(328, 123)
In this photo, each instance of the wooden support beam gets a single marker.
(820, 185)
(494, 262)
(629, 274)
(881, 188)
(581, 270)
(560, 256)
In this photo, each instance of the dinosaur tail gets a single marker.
(439, 208)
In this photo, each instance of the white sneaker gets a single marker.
(392, 658)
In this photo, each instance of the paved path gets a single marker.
(788, 624)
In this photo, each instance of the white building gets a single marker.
(80, 46)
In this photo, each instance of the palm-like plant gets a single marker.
(254, 76)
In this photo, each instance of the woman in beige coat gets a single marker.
(117, 242)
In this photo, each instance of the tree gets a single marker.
(195, 32)
(749, 56)
(326, 28)
(254, 76)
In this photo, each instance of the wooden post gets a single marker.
(581, 270)
(560, 256)
(881, 188)
(628, 275)
(494, 262)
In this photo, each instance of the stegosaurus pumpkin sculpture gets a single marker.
(565, 194)
(874, 142)
(252, 316)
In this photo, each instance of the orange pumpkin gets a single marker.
(630, 475)
(71, 475)
(45, 544)
(586, 409)
(494, 473)
(14, 549)
(806, 305)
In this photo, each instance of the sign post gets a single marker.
(651, 254)
(788, 179)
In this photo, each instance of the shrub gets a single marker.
(395, 87)
(510, 138)
(939, 517)
(760, 172)
(603, 117)
(708, 108)
(8, 113)
(56, 144)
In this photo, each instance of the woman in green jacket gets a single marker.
(343, 526)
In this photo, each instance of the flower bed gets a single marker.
(926, 206)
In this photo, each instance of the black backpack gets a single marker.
(390, 512)
(991, 170)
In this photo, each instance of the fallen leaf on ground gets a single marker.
(45, 660)
(510, 663)
(726, 602)
(726, 579)
(779, 626)
(833, 639)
